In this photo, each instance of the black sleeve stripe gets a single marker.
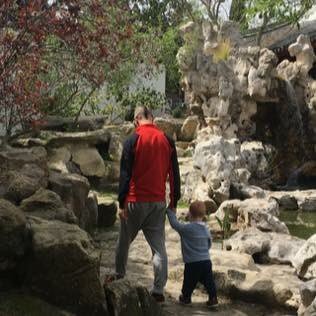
(126, 168)
(176, 171)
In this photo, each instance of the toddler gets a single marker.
(195, 245)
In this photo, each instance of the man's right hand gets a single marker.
(123, 214)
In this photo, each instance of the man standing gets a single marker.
(148, 158)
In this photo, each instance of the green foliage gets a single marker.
(182, 204)
(277, 11)
(170, 44)
(225, 226)
(179, 110)
(143, 97)
(237, 13)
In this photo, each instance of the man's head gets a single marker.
(142, 115)
(197, 210)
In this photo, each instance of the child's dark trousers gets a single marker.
(200, 271)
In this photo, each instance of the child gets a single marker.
(195, 245)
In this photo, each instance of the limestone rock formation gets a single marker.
(305, 259)
(266, 247)
(260, 213)
(308, 295)
(189, 128)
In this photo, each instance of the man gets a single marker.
(148, 158)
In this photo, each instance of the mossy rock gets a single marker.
(18, 304)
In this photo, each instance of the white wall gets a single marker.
(155, 80)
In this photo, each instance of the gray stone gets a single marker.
(15, 237)
(288, 202)
(305, 259)
(21, 304)
(73, 190)
(64, 266)
(58, 159)
(85, 123)
(169, 126)
(309, 205)
(308, 292)
(92, 206)
(188, 129)
(107, 214)
(308, 299)
(22, 172)
(47, 205)
(266, 247)
(260, 213)
(59, 139)
(126, 300)
(89, 160)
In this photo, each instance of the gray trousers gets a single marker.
(150, 218)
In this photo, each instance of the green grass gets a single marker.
(183, 204)
(300, 224)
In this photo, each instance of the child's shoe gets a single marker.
(212, 302)
(183, 300)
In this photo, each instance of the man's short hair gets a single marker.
(197, 209)
(143, 111)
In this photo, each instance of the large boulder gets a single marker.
(15, 236)
(48, 205)
(115, 147)
(58, 159)
(218, 159)
(100, 137)
(308, 295)
(22, 172)
(266, 247)
(288, 202)
(305, 259)
(260, 213)
(188, 129)
(22, 304)
(238, 277)
(89, 160)
(257, 156)
(64, 267)
(124, 299)
(73, 190)
(62, 124)
(169, 126)
(309, 205)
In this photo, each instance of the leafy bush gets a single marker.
(143, 97)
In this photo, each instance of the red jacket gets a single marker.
(148, 158)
